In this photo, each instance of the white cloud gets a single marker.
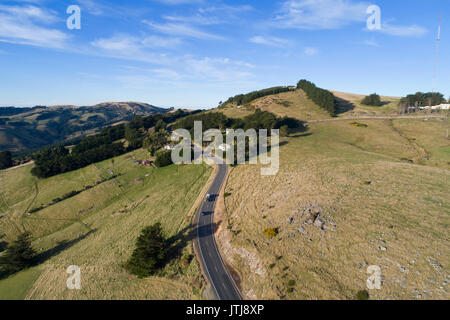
(320, 14)
(309, 51)
(28, 25)
(118, 43)
(92, 7)
(403, 31)
(161, 42)
(217, 69)
(177, 2)
(269, 41)
(371, 43)
(182, 30)
(123, 46)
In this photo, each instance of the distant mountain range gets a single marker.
(24, 129)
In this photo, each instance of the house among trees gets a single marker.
(224, 147)
(169, 147)
(441, 107)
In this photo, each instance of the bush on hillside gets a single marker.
(163, 158)
(372, 100)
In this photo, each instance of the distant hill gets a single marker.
(23, 129)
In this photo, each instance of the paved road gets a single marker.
(219, 277)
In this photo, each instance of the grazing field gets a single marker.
(97, 228)
(346, 197)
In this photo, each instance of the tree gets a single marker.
(163, 158)
(372, 100)
(155, 141)
(150, 252)
(5, 160)
(323, 98)
(18, 256)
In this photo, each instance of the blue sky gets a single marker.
(195, 53)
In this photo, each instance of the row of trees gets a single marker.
(104, 145)
(323, 98)
(241, 99)
(421, 99)
(258, 120)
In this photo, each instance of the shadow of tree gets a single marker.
(343, 106)
(177, 243)
(43, 256)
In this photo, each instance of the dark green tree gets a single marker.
(150, 252)
(5, 160)
(163, 158)
(323, 98)
(372, 100)
(18, 256)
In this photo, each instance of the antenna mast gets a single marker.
(437, 53)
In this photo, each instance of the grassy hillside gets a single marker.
(380, 193)
(352, 104)
(39, 127)
(96, 229)
(293, 104)
(297, 105)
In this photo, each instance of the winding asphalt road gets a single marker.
(211, 260)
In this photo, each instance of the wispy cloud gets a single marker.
(93, 7)
(183, 30)
(309, 51)
(173, 67)
(29, 25)
(177, 2)
(403, 31)
(371, 43)
(335, 14)
(269, 41)
(320, 14)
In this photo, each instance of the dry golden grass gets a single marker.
(97, 229)
(370, 200)
(390, 105)
(293, 104)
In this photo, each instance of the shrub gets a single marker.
(163, 159)
(372, 100)
(362, 295)
(291, 283)
(360, 125)
(271, 232)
